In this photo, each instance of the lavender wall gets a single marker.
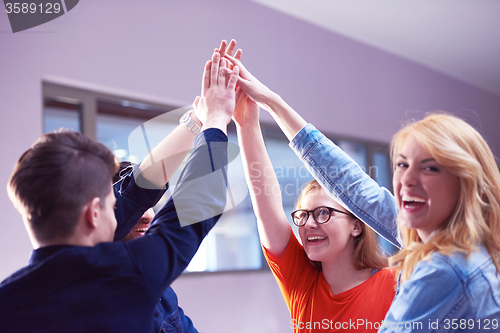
(157, 49)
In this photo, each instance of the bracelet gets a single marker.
(189, 122)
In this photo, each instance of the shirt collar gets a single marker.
(43, 253)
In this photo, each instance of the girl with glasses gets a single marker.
(334, 281)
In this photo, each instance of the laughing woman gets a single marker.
(447, 189)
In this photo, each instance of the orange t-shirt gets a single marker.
(312, 306)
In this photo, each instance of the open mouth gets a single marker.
(412, 202)
(140, 230)
(315, 239)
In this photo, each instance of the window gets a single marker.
(61, 113)
(131, 126)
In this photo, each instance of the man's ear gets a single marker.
(90, 212)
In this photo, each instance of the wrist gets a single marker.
(274, 102)
(190, 123)
(247, 124)
(196, 119)
(248, 128)
(219, 123)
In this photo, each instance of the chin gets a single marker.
(407, 223)
(315, 256)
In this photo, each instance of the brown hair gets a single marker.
(121, 167)
(459, 148)
(367, 251)
(56, 177)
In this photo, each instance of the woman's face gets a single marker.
(426, 192)
(141, 226)
(326, 241)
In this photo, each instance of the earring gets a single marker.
(355, 234)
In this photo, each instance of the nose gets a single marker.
(410, 177)
(310, 223)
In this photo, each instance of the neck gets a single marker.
(81, 236)
(342, 275)
(66, 241)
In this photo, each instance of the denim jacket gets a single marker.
(445, 293)
(448, 293)
(169, 316)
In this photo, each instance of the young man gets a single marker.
(77, 279)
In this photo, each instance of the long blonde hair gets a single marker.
(459, 148)
(367, 251)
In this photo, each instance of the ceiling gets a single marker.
(460, 38)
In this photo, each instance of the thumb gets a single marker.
(196, 102)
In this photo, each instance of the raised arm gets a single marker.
(133, 197)
(164, 159)
(168, 155)
(168, 246)
(288, 120)
(132, 201)
(339, 174)
(263, 185)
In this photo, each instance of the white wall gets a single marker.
(157, 49)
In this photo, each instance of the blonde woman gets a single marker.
(447, 188)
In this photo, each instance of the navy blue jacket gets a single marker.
(114, 287)
(132, 201)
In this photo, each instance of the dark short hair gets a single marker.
(121, 168)
(56, 177)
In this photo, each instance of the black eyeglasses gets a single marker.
(320, 214)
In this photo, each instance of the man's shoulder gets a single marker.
(52, 270)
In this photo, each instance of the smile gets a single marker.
(410, 202)
(315, 238)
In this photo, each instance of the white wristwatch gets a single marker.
(189, 122)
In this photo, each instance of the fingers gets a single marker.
(222, 72)
(214, 73)
(205, 84)
(243, 71)
(235, 61)
(233, 78)
(238, 54)
(230, 47)
(196, 102)
(222, 48)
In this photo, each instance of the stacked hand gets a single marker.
(217, 102)
(220, 76)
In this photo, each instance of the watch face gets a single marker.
(186, 118)
(189, 122)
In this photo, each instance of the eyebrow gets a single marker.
(431, 159)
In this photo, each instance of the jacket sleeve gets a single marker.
(196, 205)
(132, 201)
(343, 178)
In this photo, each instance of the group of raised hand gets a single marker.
(229, 90)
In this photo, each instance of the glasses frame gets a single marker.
(330, 209)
